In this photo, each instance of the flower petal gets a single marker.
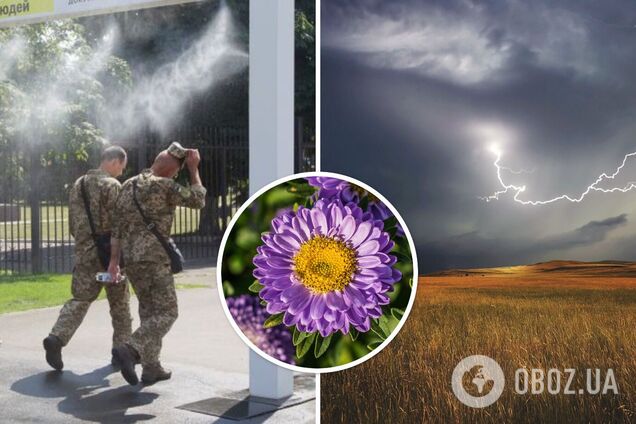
(369, 262)
(318, 306)
(361, 234)
(334, 300)
(369, 247)
(347, 227)
(292, 292)
(320, 220)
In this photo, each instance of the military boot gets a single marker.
(53, 347)
(114, 361)
(127, 358)
(152, 374)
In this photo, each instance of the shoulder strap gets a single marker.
(149, 224)
(87, 205)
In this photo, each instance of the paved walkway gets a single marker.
(206, 356)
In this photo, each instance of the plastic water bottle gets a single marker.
(104, 277)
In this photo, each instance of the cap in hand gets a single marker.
(177, 150)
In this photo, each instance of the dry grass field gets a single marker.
(553, 315)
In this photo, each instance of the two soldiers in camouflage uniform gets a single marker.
(147, 263)
(102, 190)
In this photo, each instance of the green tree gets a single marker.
(52, 85)
(306, 62)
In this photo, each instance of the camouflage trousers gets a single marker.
(158, 310)
(85, 290)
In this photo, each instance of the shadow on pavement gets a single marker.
(80, 399)
(244, 408)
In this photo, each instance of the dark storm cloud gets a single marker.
(458, 251)
(592, 232)
(473, 41)
(414, 92)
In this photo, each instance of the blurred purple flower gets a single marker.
(250, 316)
(326, 268)
(335, 188)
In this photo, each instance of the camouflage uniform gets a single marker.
(102, 191)
(147, 263)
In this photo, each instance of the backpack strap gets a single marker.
(150, 226)
(87, 206)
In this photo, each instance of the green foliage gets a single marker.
(305, 99)
(322, 344)
(52, 87)
(246, 236)
(305, 345)
(273, 321)
(255, 287)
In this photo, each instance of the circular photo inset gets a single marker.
(316, 272)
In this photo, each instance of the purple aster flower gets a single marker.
(327, 268)
(250, 316)
(335, 188)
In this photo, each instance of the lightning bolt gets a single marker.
(518, 190)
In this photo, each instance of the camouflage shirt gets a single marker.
(102, 191)
(159, 198)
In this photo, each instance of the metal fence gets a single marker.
(304, 147)
(34, 232)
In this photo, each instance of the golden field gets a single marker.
(552, 315)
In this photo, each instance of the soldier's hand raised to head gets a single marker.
(192, 158)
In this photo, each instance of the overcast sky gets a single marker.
(416, 94)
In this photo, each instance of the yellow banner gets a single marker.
(12, 8)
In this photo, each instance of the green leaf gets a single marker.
(228, 288)
(374, 345)
(274, 320)
(246, 238)
(322, 344)
(377, 329)
(364, 203)
(401, 257)
(353, 333)
(263, 303)
(397, 313)
(299, 336)
(304, 346)
(301, 189)
(381, 327)
(390, 222)
(256, 287)
(385, 324)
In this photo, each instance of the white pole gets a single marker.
(271, 134)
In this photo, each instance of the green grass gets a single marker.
(25, 292)
(21, 293)
(54, 223)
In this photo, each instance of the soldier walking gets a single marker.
(145, 211)
(96, 194)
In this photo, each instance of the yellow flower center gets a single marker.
(324, 264)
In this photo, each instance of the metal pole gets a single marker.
(271, 136)
(34, 205)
